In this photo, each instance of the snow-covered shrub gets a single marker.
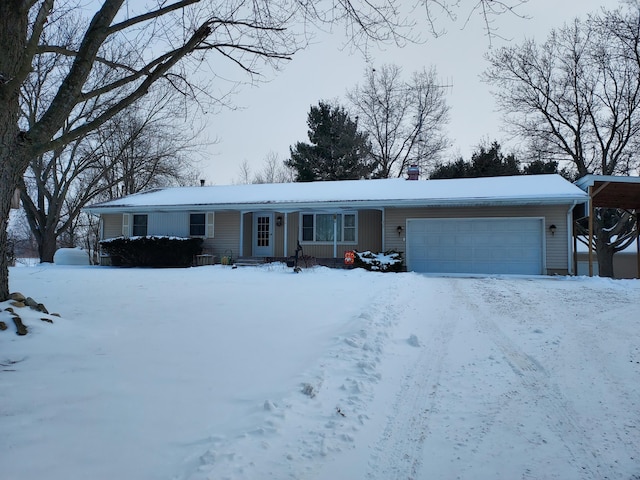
(152, 251)
(390, 261)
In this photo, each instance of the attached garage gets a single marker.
(476, 245)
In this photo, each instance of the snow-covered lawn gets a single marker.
(255, 373)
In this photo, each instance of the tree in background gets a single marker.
(274, 170)
(136, 150)
(486, 162)
(404, 119)
(577, 97)
(338, 151)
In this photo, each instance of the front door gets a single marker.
(263, 235)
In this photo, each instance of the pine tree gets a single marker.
(487, 162)
(337, 151)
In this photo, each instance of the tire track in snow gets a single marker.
(610, 448)
(398, 453)
(560, 416)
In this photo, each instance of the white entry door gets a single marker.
(262, 235)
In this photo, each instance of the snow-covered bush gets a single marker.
(390, 261)
(152, 251)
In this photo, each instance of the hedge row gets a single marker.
(152, 251)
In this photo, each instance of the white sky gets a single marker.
(272, 116)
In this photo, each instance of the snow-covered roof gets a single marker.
(513, 190)
(589, 180)
(612, 191)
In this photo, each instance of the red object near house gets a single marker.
(349, 257)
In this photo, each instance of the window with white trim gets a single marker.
(319, 227)
(201, 224)
(139, 227)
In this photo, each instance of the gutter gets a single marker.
(285, 207)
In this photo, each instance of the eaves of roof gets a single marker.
(284, 206)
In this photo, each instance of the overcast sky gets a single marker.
(272, 116)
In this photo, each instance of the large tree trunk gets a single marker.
(47, 247)
(5, 207)
(9, 177)
(13, 31)
(604, 253)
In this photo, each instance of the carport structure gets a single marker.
(609, 191)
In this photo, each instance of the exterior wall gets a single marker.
(168, 223)
(293, 233)
(226, 229)
(368, 236)
(625, 264)
(111, 225)
(226, 235)
(557, 246)
(159, 223)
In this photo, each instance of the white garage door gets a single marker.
(475, 245)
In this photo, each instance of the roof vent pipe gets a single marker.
(202, 182)
(413, 172)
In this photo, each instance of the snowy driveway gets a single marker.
(213, 373)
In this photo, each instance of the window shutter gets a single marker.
(126, 222)
(209, 224)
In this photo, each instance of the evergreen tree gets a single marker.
(489, 162)
(540, 167)
(337, 151)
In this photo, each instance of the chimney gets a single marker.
(413, 172)
(202, 182)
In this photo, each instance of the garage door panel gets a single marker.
(503, 246)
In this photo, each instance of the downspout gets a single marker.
(335, 235)
(240, 249)
(384, 236)
(286, 234)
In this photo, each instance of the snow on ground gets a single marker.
(254, 373)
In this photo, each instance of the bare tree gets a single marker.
(137, 148)
(166, 44)
(244, 174)
(128, 154)
(488, 10)
(404, 119)
(145, 148)
(274, 170)
(577, 98)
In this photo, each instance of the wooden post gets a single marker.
(637, 243)
(591, 209)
